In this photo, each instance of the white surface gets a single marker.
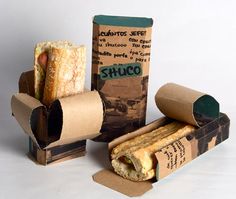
(194, 44)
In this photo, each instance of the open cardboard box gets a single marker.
(169, 158)
(59, 132)
(185, 105)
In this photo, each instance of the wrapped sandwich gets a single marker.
(135, 160)
(59, 70)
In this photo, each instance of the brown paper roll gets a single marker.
(187, 105)
(75, 118)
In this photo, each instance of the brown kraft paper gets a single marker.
(169, 158)
(120, 69)
(69, 118)
(187, 105)
(80, 118)
(26, 83)
(26, 110)
(173, 156)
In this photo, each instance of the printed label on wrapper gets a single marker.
(120, 69)
(173, 156)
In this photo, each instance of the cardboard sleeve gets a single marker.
(187, 105)
(26, 110)
(68, 120)
(76, 117)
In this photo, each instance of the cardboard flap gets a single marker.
(187, 105)
(123, 21)
(130, 188)
(75, 118)
(181, 151)
(26, 83)
(26, 110)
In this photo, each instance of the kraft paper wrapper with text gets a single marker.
(177, 101)
(107, 60)
(111, 180)
(22, 106)
(82, 117)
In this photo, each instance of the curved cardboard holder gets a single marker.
(69, 119)
(187, 105)
(26, 110)
(26, 83)
(75, 118)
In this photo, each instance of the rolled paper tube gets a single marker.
(75, 118)
(187, 105)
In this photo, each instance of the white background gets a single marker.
(194, 44)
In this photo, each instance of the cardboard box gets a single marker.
(120, 70)
(59, 132)
(193, 145)
(184, 104)
(56, 154)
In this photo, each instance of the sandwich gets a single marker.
(135, 160)
(59, 70)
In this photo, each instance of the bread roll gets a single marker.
(59, 70)
(135, 158)
(65, 72)
(41, 53)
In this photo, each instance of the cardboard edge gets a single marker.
(23, 107)
(26, 83)
(205, 109)
(123, 21)
(115, 182)
(177, 102)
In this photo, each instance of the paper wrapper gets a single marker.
(187, 105)
(26, 110)
(76, 116)
(120, 70)
(70, 119)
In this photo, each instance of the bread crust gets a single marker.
(39, 70)
(64, 73)
(140, 151)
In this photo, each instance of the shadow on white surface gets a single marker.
(98, 152)
(13, 139)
